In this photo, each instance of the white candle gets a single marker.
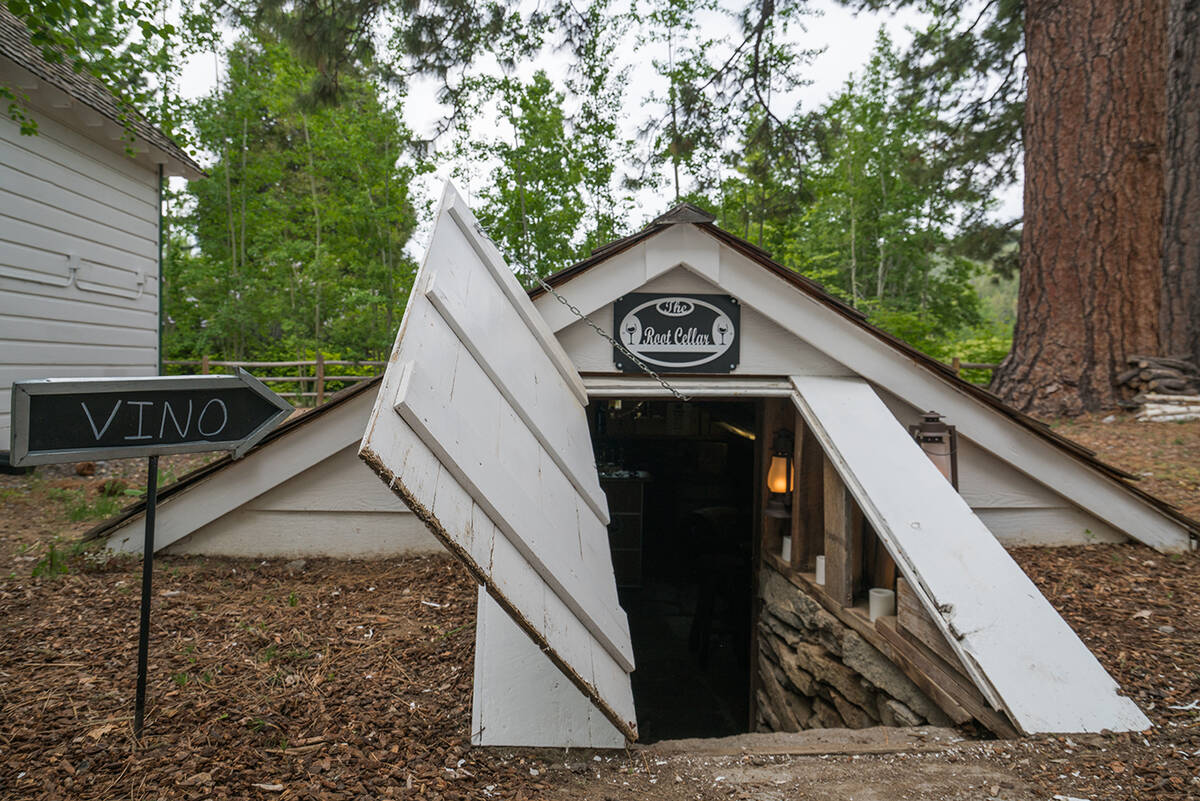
(882, 603)
(821, 570)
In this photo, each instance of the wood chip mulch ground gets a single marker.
(334, 680)
(1139, 613)
(352, 680)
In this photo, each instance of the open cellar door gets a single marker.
(480, 428)
(1020, 654)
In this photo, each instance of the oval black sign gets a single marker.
(677, 333)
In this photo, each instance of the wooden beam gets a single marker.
(839, 564)
(883, 572)
(917, 625)
(928, 685)
(801, 545)
(946, 678)
(812, 480)
(796, 523)
(856, 553)
(772, 527)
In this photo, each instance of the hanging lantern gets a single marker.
(780, 475)
(940, 443)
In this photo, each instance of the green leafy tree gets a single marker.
(130, 46)
(871, 217)
(725, 70)
(596, 139)
(294, 241)
(532, 205)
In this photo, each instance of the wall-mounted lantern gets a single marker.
(780, 475)
(940, 443)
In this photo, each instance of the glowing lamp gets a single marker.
(780, 475)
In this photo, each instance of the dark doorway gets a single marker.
(680, 481)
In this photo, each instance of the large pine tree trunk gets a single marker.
(1091, 243)
(1181, 209)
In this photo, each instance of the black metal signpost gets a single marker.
(74, 419)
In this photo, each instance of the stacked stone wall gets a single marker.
(815, 672)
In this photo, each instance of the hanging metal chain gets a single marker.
(645, 368)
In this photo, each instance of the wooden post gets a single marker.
(884, 571)
(839, 576)
(811, 480)
(956, 364)
(204, 365)
(320, 378)
(800, 555)
(856, 551)
(770, 535)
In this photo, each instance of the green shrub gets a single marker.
(53, 564)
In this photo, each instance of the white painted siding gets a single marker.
(335, 508)
(65, 200)
(1017, 509)
(480, 422)
(521, 698)
(239, 484)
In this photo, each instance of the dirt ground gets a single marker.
(56, 503)
(1165, 456)
(351, 680)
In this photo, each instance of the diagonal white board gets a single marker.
(480, 427)
(1022, 655)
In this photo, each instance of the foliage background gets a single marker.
(300, 238)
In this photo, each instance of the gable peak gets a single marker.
(684, 213)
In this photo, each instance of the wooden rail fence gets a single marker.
(959, 366)
(311, 377)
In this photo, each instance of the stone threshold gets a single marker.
(815, 742)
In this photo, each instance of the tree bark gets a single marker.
(1091, 272)
(1180, 316)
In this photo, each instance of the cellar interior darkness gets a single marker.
(680, 484)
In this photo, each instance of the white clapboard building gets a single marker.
(79, 226)
(606, 511)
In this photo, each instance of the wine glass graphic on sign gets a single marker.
(722, 327)
(633, 330)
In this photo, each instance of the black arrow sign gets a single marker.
(65, 420)
(68, 419)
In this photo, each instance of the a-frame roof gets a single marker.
(298, 422)
(688, 214)
(691, 215)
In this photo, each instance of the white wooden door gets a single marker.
(1021, 654)
(480, 427)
